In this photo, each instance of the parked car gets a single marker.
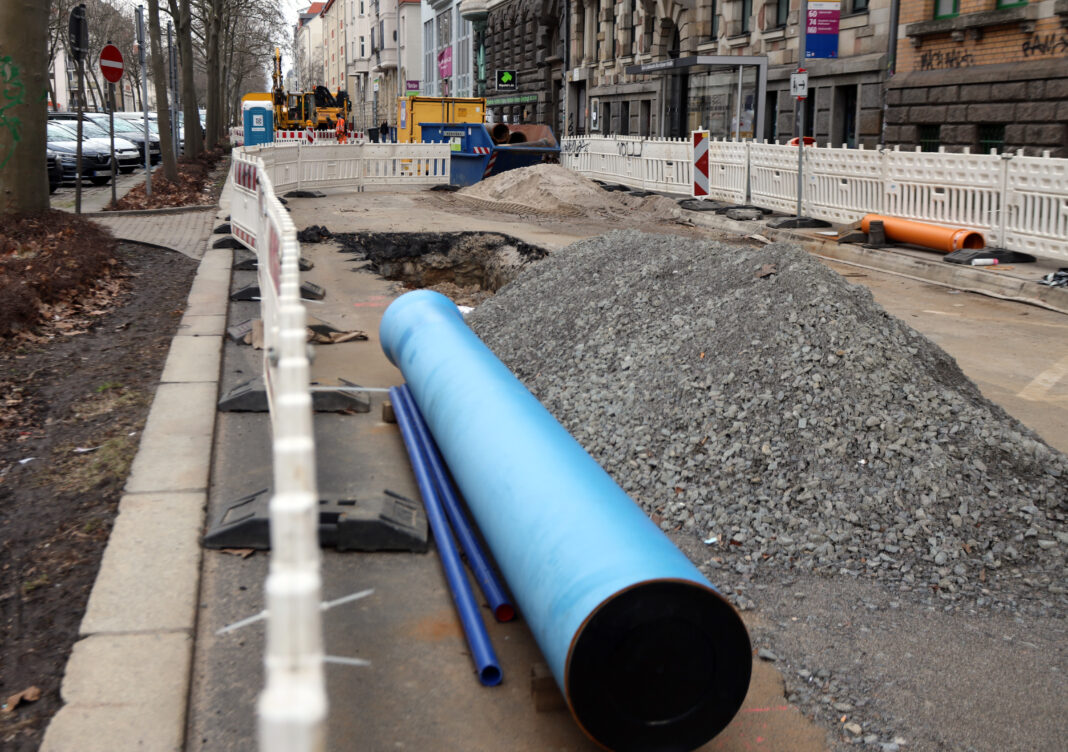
(124, 129)
(138, 121)
(55, 170)
(96, 158)
(127, 155)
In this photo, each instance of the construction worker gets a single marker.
(342, 136)
(309, 132)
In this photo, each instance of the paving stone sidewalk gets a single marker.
(182, 231)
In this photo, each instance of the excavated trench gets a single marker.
(467, 266)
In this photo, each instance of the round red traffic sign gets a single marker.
(111, 63)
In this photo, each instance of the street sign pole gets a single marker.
(112, 67)
(111, 123)
(144, 93)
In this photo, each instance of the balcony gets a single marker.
(384, 59)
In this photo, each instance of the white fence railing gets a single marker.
(237, 136)
(1019, 202)
(292, 707)
(326, 165)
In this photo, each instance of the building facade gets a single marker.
(308, 47)
(981, 75)
(448, 51)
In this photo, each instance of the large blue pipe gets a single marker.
(499, 603)
(646, 652)
(482, 653)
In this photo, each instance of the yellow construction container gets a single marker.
(414, 110)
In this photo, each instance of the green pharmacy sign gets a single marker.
(506, 80)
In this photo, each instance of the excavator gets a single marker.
(292, 111)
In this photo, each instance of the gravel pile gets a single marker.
(752, 398)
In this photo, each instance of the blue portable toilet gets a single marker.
(258, 119)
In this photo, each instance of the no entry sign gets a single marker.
(111, 63)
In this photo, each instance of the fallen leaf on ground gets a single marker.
(767, 270)
(244, 553)
(30, 694)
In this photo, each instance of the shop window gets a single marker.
(946, 8)
(930, 137)
(991, 136)
(606, 118)
(624, 118)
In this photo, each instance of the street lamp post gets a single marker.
(477, 11)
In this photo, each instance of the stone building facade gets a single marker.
(663, 67)
(981, 75)
(528, 37)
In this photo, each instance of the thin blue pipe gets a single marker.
(485, 658)
(646, 652)
(500, 604)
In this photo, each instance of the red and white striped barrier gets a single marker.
(700, 164)
(481, 149)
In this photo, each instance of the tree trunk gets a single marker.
(23, 106)
(194, 135)
(166, 140)
(214, 27)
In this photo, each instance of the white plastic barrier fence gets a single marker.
(316, 166)
(292, 707)
(237, 136)
(1018, 202)
(1036, 205)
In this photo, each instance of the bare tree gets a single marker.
(23, 108)
(182, 13)
(166, 144)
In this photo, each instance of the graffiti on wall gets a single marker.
(938, 59)
(575, 147)
(1045, 44)
(629, 148)
(12, 93)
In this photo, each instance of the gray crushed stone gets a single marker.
(753, 399)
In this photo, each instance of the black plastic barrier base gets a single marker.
(389, 523)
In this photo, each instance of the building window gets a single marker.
(714, 10)
(747, 11)
(782, 10)
(860, 6)
(946, 8)
(930, 137)
(363, 50)
(1011, 3)
(991, 137)
(361, 7)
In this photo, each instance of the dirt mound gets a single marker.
(553, 188)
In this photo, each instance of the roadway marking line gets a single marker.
(1039, 387)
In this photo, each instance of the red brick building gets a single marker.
(980, 74)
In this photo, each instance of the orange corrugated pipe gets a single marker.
(944, 239)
